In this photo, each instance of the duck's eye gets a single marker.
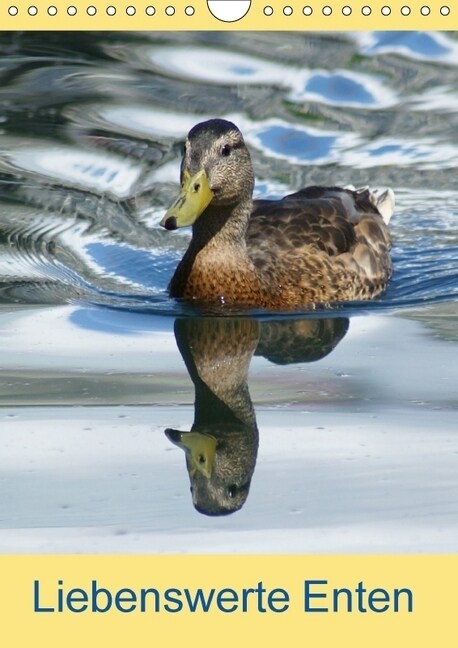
(226, 150)
(232, 490)
(184, 149)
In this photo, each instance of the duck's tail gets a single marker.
(383, 199)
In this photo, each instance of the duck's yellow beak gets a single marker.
(193, 198)
(200, 449)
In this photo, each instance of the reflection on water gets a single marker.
(222, 445)
(422, 45)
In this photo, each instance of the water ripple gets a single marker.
(67, 165)
(424, 46)
(88, 167)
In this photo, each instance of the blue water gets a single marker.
(86, 172)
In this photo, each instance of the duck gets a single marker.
(317, 246)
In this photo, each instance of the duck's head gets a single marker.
(216, 170)
(220, 462)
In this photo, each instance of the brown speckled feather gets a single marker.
(332, 246)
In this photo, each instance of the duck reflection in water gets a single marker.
(222, 445)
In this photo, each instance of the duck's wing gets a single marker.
(289, 341)
(330, 219)
(322, 228)
(323, 222)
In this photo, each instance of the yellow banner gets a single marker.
(228, 14)
(227, 601)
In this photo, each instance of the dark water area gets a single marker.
(326, 430)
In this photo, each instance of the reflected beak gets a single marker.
(200, 449)
(192, 200)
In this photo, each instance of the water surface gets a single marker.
(326, 431)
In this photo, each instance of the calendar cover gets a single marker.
(229, 323)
